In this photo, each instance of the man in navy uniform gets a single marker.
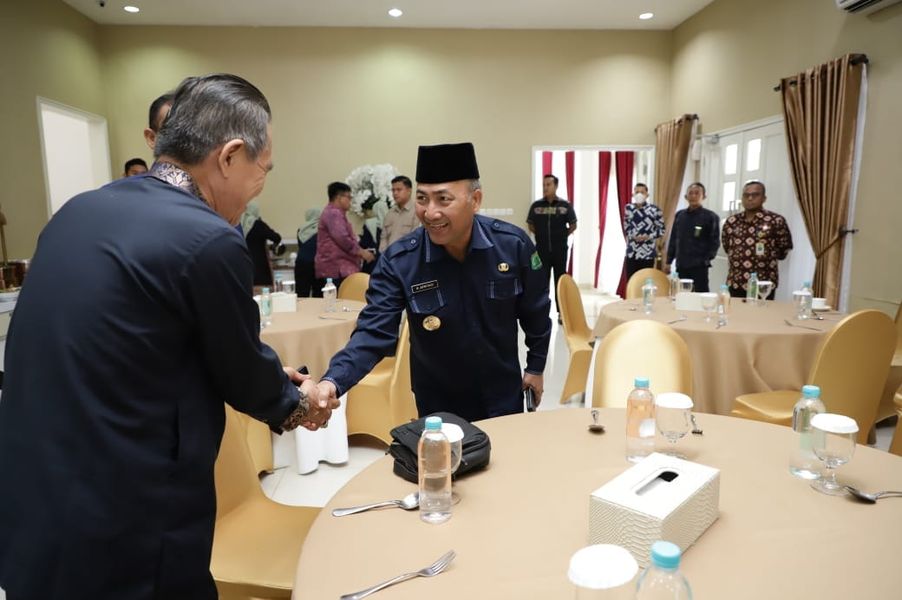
(112, 409)
(465, 281)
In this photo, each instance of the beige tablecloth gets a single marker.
(520, 520)
(308, 337)
(755, 352)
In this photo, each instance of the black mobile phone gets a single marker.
(303, 370)
(529, 397)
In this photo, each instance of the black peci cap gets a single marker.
(446, 162)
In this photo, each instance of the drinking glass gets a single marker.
(833, 441)
(764, 290)
(709, 303)
(672, 411)
(686, 286)
(455, 437)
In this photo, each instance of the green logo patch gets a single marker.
(535, 262)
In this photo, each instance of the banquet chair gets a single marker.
(383, 400)
(256, 541)
(354, 287)
(578, 335)
(851, 366)
(634, 285)
(894, 380)
(640, 348)
(896, 445)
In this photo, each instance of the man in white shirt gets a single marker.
(401, 218)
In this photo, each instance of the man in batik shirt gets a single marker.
(755, 241)
(643, 224)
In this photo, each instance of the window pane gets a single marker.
(729, 196)
(753, 155)
(729, 159)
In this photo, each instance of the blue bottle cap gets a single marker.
(724, 287)
(806, 284)
(811, 391)
(641, 382)
(649, 281)
(665, 555)
(265, 290)
(328, 280)
(434, 423)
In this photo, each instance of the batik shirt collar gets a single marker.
(175, 175)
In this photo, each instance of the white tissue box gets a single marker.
(284, 302)
(640, 506)
(689, 301)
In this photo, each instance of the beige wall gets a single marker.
(728, 58)
(47, 50)
(346, 97)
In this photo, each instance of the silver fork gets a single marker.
(791, 324)
(431, 571)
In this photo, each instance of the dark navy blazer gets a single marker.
(135, 324)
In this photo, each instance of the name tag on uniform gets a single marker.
(424, 287)
(759, 249)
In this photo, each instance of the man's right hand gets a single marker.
(326, 396)
(667, 269)
(367, 255)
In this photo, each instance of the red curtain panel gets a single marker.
(569, 160)
(604, 175)
(546, 163)
(624, 168)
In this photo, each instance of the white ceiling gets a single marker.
(457, 14)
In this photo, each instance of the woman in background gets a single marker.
(305, 281)
(372, 230)
(256, 234)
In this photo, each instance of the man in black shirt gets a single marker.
(552, 220)
(694, 239)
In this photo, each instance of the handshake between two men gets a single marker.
(322, 399)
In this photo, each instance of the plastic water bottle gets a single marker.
(434, 468)
(805, 297)
(648, 296)
(330, 293)
(723, 304)
(674, 284)
(640, 421)
(277, 283)
(662, 579)
(265, 307)
(802, 462)
(751, 289)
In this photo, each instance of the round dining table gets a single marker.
(520, 520)
(309, 337)
(760, 349)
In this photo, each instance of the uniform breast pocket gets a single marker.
(427, 302)
(503, 289)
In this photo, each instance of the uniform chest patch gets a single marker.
(424, 286)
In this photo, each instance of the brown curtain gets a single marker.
(820, 106)
(672, 141)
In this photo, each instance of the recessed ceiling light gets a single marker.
(131, 9)
(646, 16)
(395, 12)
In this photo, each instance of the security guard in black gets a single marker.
(552, 220)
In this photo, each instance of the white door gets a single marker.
(757, 152)
(76, 152)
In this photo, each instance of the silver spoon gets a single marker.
(409, 502)
(596, 427)
(695, 428)
(871, 498)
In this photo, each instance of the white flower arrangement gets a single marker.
(370, 182)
